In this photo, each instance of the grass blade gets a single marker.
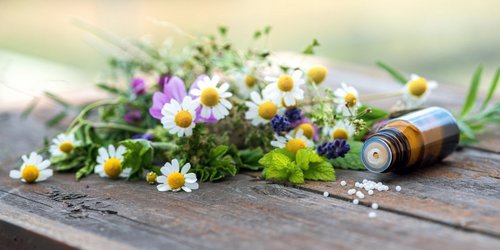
(393, 72)
(492, 89)
(57, 99)
(28, 110)
(471, 97)
(56, 119)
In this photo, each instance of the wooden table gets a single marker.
(452, 205)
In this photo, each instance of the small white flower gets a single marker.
(285, 88)
(342, 130)
(109, 162)
(63, 144)
(213, 99)
(416, 91)
(347, 100)
(33, 169)
(292, 143)
(260, 111)
(175, 180)
(179, 118)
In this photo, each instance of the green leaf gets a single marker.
(27, 111)
(309, 50)
(276, 165)
(306, 156)
(109, 89)
(267, 30)
(322, 171)
(491, 90)
(222, 30)
(296, 174)
(56, 119)
(57, 99)
(352, 160)
(217, 151)
(82, 172)
(471, 96)
(393, 72)
(138, 157)
(250, 158)
(257, 34)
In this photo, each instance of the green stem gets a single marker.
(109, 125)
(88, 108)
(164, 146)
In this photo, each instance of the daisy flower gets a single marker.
(317, 74)
(260, 110)
(175, 180)
(292, 144)
(213, 99)
(416, 91)
(63, 144)
(285, 88)
(341, 130)
(247, 80)
(347, 100)
(33, 169)
(309, 130)
(109, 162)
(179, 118)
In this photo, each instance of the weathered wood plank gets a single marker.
(237, 213)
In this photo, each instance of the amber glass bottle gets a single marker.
(413, 140)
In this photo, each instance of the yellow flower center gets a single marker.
(30, 173)
(317, 74)
(183, 119)
(308, 130)
(350, 100)
(113, 167)
(250, 81)
(291, 106)
(210, 97)
(267, 110)
(285, 83)
(340, 133)
(418, 86)
(175, 180)
(151, 177)
(295, 144)
(66, 147)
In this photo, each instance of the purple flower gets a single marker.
(164, 78)
(280, 124)
(174, 88)
(138, 86)
(335, 149)
(293, 115)
(146, 136)
(132, 116)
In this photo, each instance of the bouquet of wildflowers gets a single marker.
(210, 111)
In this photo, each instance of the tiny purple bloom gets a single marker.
(146, 136)
(332, 150)
(280, 124)
(138, 86)
(132, 116)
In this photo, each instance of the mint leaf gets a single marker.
(322, 171)
(296, 174)
(352, 160)
(306, 156)
(139, 156)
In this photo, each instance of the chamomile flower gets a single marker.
(260, 110)
(416, 91)
(285, 88)
(292, 143)
(175, 179)
(213, 99)
(317, 74)
(179, 118)
(247, 80)
(341, 130)
(347, 100)
(63, 144)
(33, 169)
(110, 162)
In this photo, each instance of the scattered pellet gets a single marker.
(374, 205)
(355, 201)
(372, 214)
(343, 183)
(360, 195)
(351, 191)
(370, 192)
(326, 194)
(398, 188)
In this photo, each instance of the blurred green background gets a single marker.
(443, 40)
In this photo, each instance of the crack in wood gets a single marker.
(78, 205)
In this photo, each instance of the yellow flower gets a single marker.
(175, 180)
(317, 74)
(33, 169)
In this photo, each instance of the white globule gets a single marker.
(370, 192)
(343, 183)
(398, 188)
(326, 194)
(372, 214)
(375, 206)
(355, 201)
(351, 191)
(360, 194)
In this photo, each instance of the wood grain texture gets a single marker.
(237, 213)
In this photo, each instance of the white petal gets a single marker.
(167, 170)
(223, 88)
(45, 164)
(161, 179)
(103, 153)
(186, 168)
(175, 165)
(121, 150)
(186, 189)
(163, 187)
(192, 185)
(205, 112)
(44, 175)
(15, 174)
(111, 150)
(99, 169)
(226, 103)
